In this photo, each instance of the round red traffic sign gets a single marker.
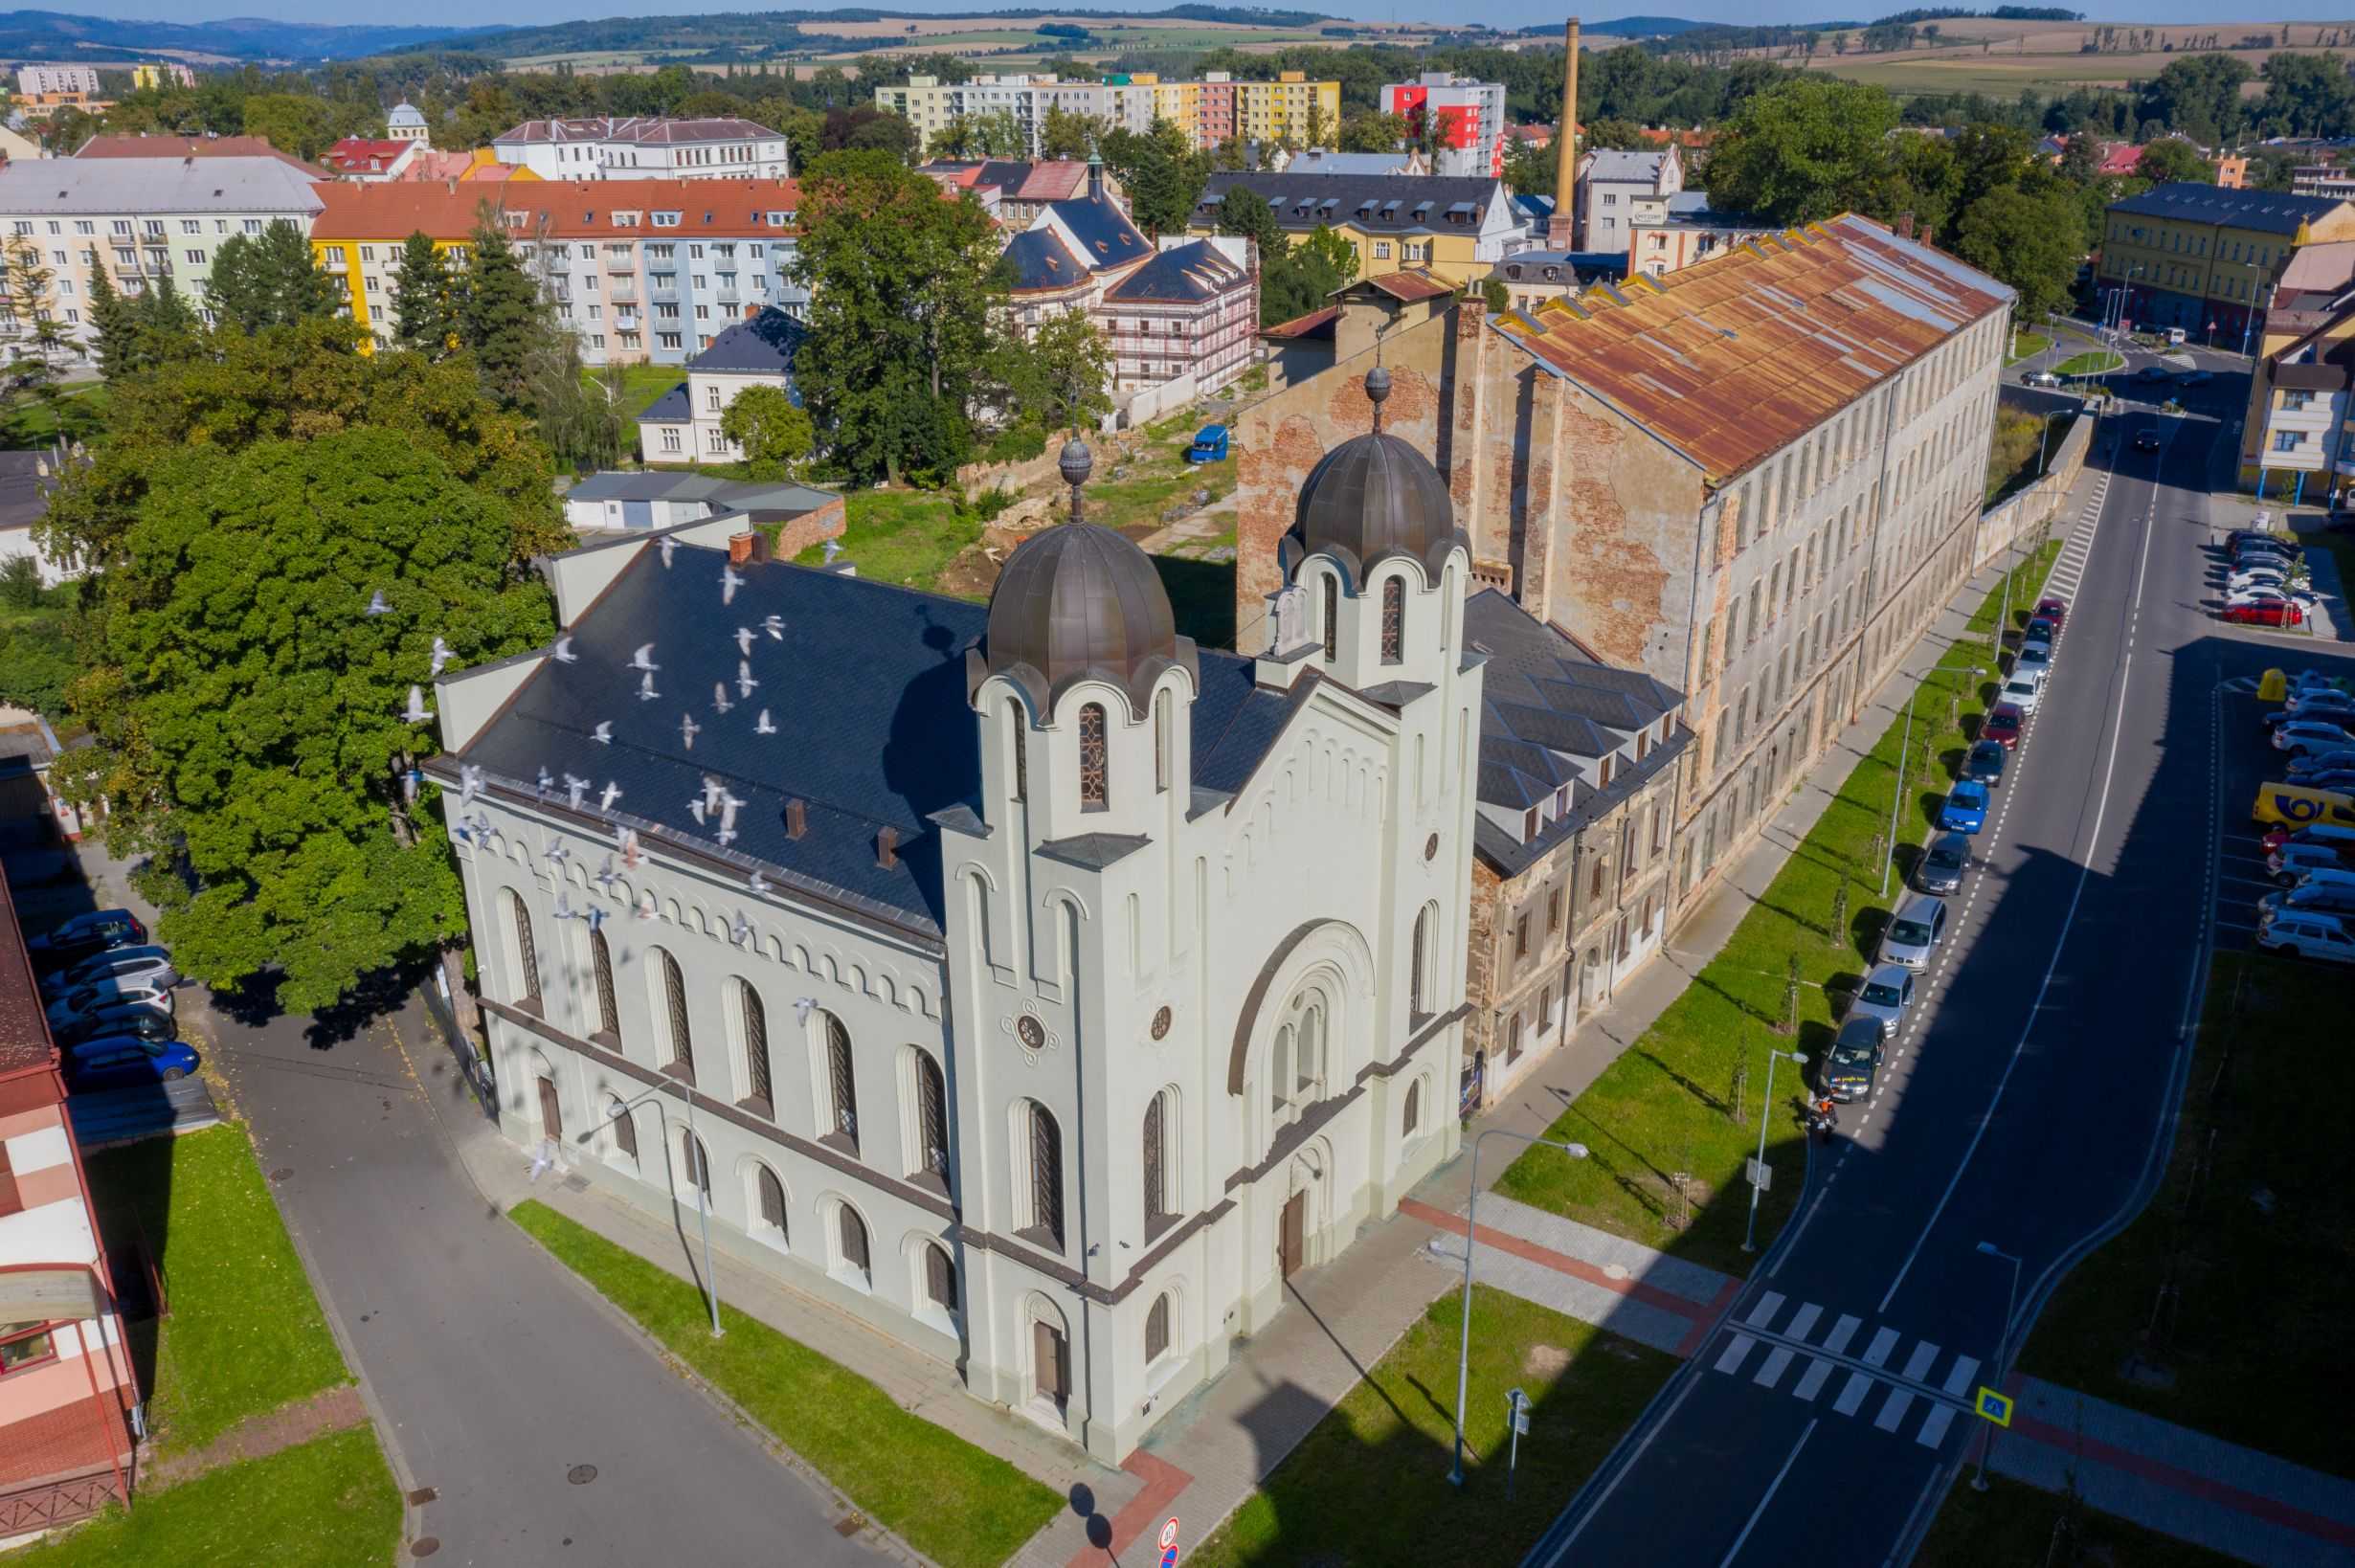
(1169, 1531)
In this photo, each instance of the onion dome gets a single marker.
(1374, 497)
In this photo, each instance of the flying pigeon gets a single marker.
(557, 853)
(645, 905)
(605, 873)
(833, 548)
(643, 659)
(441, 656)
(469, 783)
(669, 545)
(547, 781)
(719, 697)
(611, 793)
(761, 726)
(729, 582)
(760, 885)
(562, 652)
(774, 626)
(803, 1007)
(646, 689)
(564, 907)
(481, 823)
(744, 677)
(742, 930)
(714, 791)
(603, 733)
(376, 605)
(409, 785)
(417, 711)
(573, 789)
(595, 916)
(629, 853)
(695, 808)
(687, 729)
(744, 641)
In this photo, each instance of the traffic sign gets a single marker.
(1761, 1175)
(1169, 1532)
(1994, 1406)
(1169, 1556)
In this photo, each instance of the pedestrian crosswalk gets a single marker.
(2069, 567)
(1874, 1381)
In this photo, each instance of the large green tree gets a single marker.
(902, 283)
(1062, 374)
(2171, 158)
(501, 317)
(2307, 95)
(295, 122)
(774, 433)
(2199, 95)
(1805, 149)
(425, 299)
(34, 326)
(1070, 135)
(1163, 174)
(2033, 241)
(270, 280)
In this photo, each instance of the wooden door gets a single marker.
(551, 1119)
(1292, 1244)
(1054, 1372)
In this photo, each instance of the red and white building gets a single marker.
(66, 1384)
(370, 160)
(1467, 120)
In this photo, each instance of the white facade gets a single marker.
(407, 123)
(1465, 120)
(49, 81)
(637, 148)
(1251, 995)
(1610, 184)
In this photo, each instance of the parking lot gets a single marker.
(2246, 761)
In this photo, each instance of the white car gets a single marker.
(2300, 736)
(2025, 690)
(2295, 934)
(2258, 577)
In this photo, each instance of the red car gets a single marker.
(2056, 611)
(2266, 613)
(2003, 724)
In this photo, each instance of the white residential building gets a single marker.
(641, 148)
(43, 82)
(683, 425)
(1610, 184)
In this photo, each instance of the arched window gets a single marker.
(1413, 1119)
(1162, 739)
(1094, 759)
(1417, 1002)
(698, 1163)
(1394, 621)
(675, 1009)
(624, 1124)
(932, 1116)
(850, 1244)
(1045, 1175)
(842, 1087)
(772, 1196)
(1157, 1329)
(1156, 1164)
(939, 1277)
(601, 964)
(1280, 1072)
(526, 955)
(1021, 748)
(1332, 618)
(754, 1017)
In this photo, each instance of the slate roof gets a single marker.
(1040, 260)
(868, 692)
(2268, 211)
(763, 345)
(1390, 203)
(165, 184)
(1732, 358)
(1616, 165)
(1315, 162)
(24, 488)
(1106, 236)
(1187, 274)
(726, 494)
(24, 1031)
(1541, 698)
(675, 407)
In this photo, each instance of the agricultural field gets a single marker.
(1997, 57)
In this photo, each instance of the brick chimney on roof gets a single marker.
(1562, 230)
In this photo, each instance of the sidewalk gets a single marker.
(2220, 1496)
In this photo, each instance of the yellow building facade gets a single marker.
(2206, 258)
(1292, 105)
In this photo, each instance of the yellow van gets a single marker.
(2297, 805)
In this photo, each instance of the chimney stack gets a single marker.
(796, 819)
(1561, 232)
(1905, 225)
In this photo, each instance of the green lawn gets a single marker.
(1667, 1104)
(1370, 1484)
(80, 413)
(2012, 1523)
(2096, 362)
(901, 536)
(2025, 343)
(2249, 1362)
(244, 1334)
(329, 1503)
(956, 1504)
(641, 384)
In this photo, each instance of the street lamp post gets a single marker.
(1471, 1230)
(1765, 1109)
(2002, 1345)
(702, 1176)
(1897, 799)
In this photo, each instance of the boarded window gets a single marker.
(1394, 621)
(931, 1115)
(601, 962)
(1157, 1177)
(674, 994)
(940, 1278)
(1095, 760)
(771, 1200)
(756, 1041)
(842, 1086)
(1045, 1173)
(698, 1164)
(851, 1237)
(625, 1132)
(1413, 1117)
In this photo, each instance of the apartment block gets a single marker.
(1464, 117)
(1455, 229)
(57, 83)
(645, 147)
(2205, 258)
(1209, 110)
(2296, 443)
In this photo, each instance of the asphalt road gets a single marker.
(2026, 1104)
(497, 1372)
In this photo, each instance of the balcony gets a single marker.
(625, 320)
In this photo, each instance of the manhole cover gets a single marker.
(581, 1476)
(424, 1546)
(281, 1173)
(1615, 1271)
(422, 1496)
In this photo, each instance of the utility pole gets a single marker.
(1758, 1167)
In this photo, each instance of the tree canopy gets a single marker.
(269, 280)
(1805, 149)
(775, 435)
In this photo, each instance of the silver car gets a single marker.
(89, 999)
(119, 964)
(1943, 863)
(1914, 933)
(1885, 995)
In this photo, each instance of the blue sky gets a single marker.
(1506, 14)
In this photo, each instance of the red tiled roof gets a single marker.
(564, 208)
(360, 154)
(185, 146)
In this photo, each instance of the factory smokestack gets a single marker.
(1561, 232)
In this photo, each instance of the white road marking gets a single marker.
(1842, 1332)
(1811, 1382)
(1934, 1425)
(1764, 1313)
(1771, 1488)
(1894, 1410)
(1919, 1361)
(1852, 1395)
(1960, 1378)
(1770, 1370)
(1734, 1352)
(1878, 1354)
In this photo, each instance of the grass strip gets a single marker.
(244, 1334)
(2095, 362)
(1369, 1485)
(2012, 1522)
(1684, 1099)
(951, 1501)
(329, 1503)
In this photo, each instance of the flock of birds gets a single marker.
(715, 807)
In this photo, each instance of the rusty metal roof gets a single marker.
(1732, 359)
(24, 1032)
(1410, 286)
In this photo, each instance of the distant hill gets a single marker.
(54, 36)
(1633, 27)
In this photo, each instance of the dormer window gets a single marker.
(1529, 825)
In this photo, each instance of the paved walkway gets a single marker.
(257, 1437)
(2169, 1478)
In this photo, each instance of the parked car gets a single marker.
(83, 935)
(1855, 1060)
(2274, 613)
(1965, 809)
(1913, 932)
(2034, 658)
(2040, 630)
(2320, 702)
(2317, 711)
(145, 962)
(2305, 735)
(2025, 692)
(2302, 936)
(130, 1019)
(2247, 579)
(2310, 898)
(2329, 760)
(1944, 863)
(89, 999)
(2340, 780)
(2151, 373)
(2291, 864)
(2330, 834)
(2298, 805)
(2270, 595)
(116, 1062)
(1886, 994)
(2040, 378)
(1983, 763)
(2051, 609)
(2002, 726)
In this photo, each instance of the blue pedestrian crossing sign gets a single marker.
(1994, 1406)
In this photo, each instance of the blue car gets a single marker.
(127, 1061)
(1966, 808)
